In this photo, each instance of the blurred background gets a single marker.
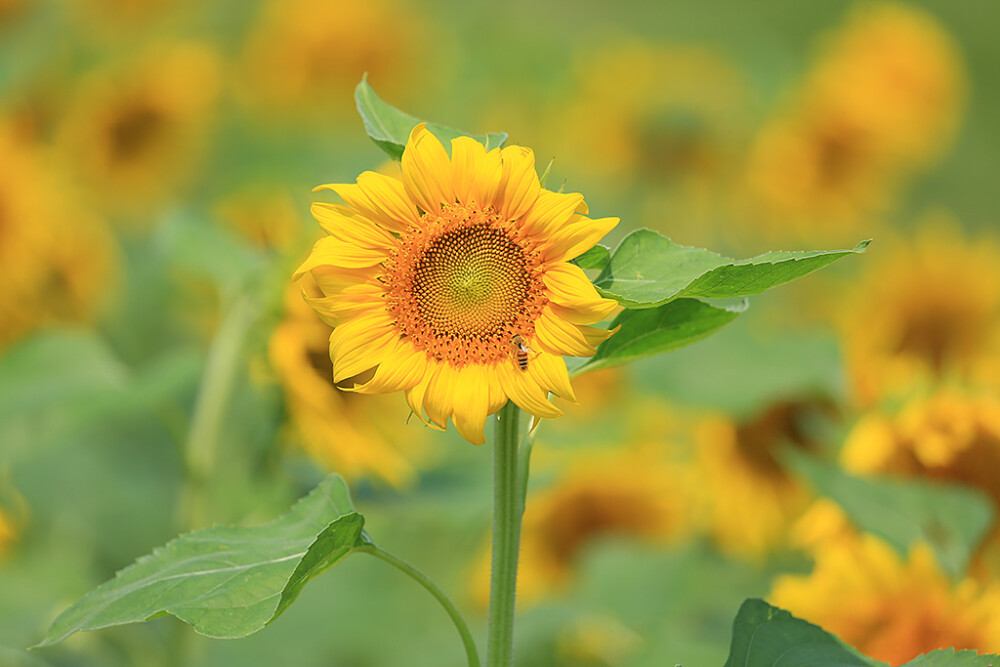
(158, 373)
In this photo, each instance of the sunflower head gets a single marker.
(453, 283)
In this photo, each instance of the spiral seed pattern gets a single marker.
(462, 284)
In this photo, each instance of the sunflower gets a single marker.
(454, 283)
(597, 495)
(749, 500)
(338, 431)
(56, 256)
(950, 435)
(927, 311)
(881, 102)
(890, 609)
(137, 131)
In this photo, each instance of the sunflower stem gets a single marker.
(507, 511)
(472, 654)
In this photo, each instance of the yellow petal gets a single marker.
(333, 279)
(415, 399)
(355, 301)
(427, 171)
(440, 398)
(465, 155)
(576, 237)
(379, 198)
(328, 251)
(472, 393)
(401, 369)
(344, 224)
(557, 336)
(570, 288)
(520, 182)
(361, 344)
(525, 392)
(551, 211)
(550, 372)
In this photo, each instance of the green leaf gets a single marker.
(765, 636)
(390, 128)
(595, 258)
(951, 519)
(226, 581)
(652, 331)
(647, 270)
(949, 657)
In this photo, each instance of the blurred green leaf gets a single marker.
(390, 128)
(595, 258)
(54, 367)
(226, 581)
(647, 270)
(951, 519)
(765, 636)
(652, 331)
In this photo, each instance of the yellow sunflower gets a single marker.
(337, 430)
(454, 283)
(597, 495)
(749, 501)
(137, 131)
(928, 310)
(890, 609)
(883, 100)
(56, 256)
(949, 435)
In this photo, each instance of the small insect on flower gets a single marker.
(521, 351)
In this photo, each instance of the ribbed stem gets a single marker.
(506, 537)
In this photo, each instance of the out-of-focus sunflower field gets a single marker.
(835, 450)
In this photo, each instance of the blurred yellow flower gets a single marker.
(670, 117)
(454, 284)
(950, 435)
(306, 56)
(265, 216)
(8, 533)
(889, 609)
(137, 130)
(346, 434)
(883, 100)
(596, 495)
(927, 309)
(595, 641)
(748, 500)
(56, 257)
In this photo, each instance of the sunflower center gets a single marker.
(463, 284)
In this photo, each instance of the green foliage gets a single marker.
(654, 331)
(765, 636)
(596, 258)
(951, 519)
(390, 128)
(226, 581)
(648, 270)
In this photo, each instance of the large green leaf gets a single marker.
(647, 270)
(951, 519)
(765, 636)
(390, 128)
(226, 581)
(653, 331)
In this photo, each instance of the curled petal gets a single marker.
(329, 251)
(520, 181)
(525, 392)
(344, 224)
(427, 174)
(557, 336)
(576, 237)
(550, 372)
(361, 344)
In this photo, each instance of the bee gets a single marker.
(521, 351)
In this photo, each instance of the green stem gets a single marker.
(217, 382)
(507, 512)
(449, 607)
